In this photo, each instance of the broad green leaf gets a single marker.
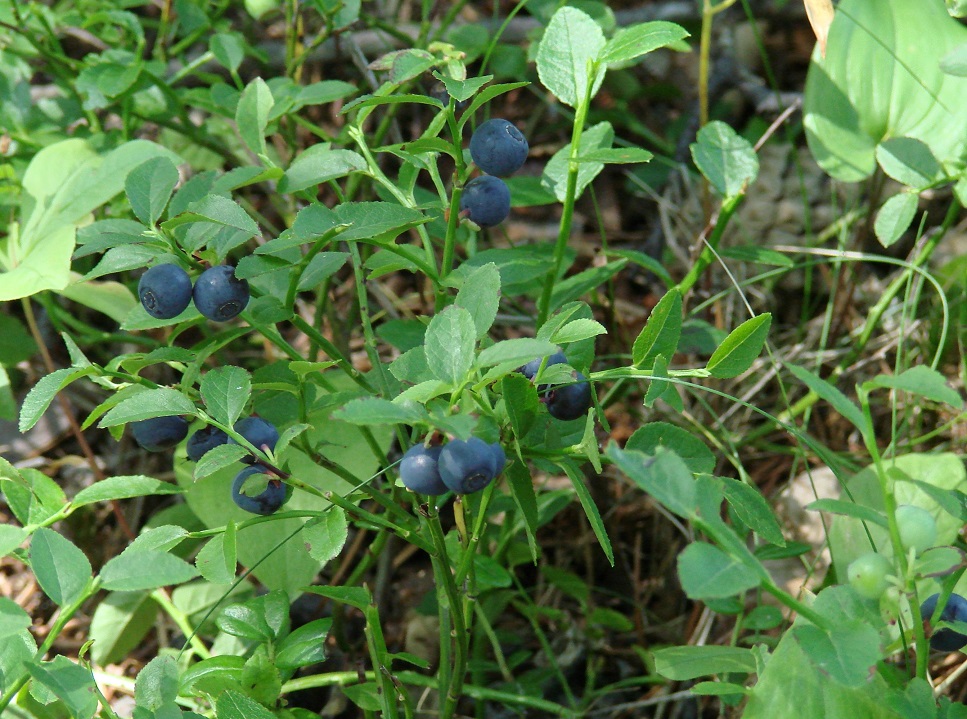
(69, 682)
(157, 402)
(840, 402)
(449, 344)
(110, 298)
(252, 114)
(665, 476)
(120, 622)
(262, 618)
(376, 410)
(909, 161)
(577, 330)
(163, 538)
(216, 561)
(326, 536)
(938, 562)
(317, 164)
(462, 90)
(753, 509)
(662, 330)
(132, 571)
(480, 296)
(306, 645)
(226, 392)
(32, 496)
(157, 683)
(692, 450)
(61, 569)
(706, 572)
(219, 211)
(895, 217)
(11, 537)
(261, 678)
(123, 487)
(13, 619)
(521, 349)
(725, 158)
(921, 381)
(224, 455)
(590, 508)
(567, 55)
(228, 48)
(40, 396)
(520, 401)
(684, 663)
(631, 42)
(554, 178)
(739, 350)
(848, 508)
(149, 186)
(376, 221)
(847, 654)
(905, 93)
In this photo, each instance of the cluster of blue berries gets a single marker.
(165, 291)
(955, 610)
(460, 466)
(499, 149)
(161, 433)
(564, 402)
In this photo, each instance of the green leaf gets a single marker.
(120, 622)
(739, 350)
(921, 381)
(590, 508)
(132, 571)
(263, 618)
(376, 410)
(847, 654)
(157, 683)
(163, 538)
(123, 487)
(661, 332)
(40, 396)
(61, 569)
(706, 572)
(631, 42)
(849, 508)
(157, 402)
(589, 280)
(522, 490)
(13, 619)
(753, 509)
(32, 496)
(566, 57)
(317, 164)
(69, 682)
(938, 562)
(520, 401)
(149, 187)
(684, 663)
(577, 330)
(594, 139)
(895, 217)
(224, 455)
(480, 296)
(372, 221)
(521, 349)
(725, 158)
(217, 210)
(226, 392)
(662, 435)
(909, 161)
(462, 90)
(326, 536)
(252, 114)
(366, 696)
(229, 49)
(840, 402)
(216, 561)
(449, 344)
(306, 645)
(664, 476)
(358, 597)
(617, 155)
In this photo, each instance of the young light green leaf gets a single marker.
(725, 158)
(149, 187)
(921, 381)
(737, 353)
(131, 571)
(61, 569)
(577, 330)
(226, 392)
(895, 217)
(661, 332)
(831, 394)
(325, 537)
(252, 114)
(157, 402)
(631, 42)
(706, 572)
(480, 296)
(567, 54)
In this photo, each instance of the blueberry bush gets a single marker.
(434, 360)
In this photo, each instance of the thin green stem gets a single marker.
(181, 620)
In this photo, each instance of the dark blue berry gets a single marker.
(467, 466)
(498, 148)
(219, 295)
(570, 401)
(500, 458)
(159, 433)
(419, 470)
(205, 439)
(267, 502)
(486, 199)
(257, 431)
(529, 370)
(955, 610)
(164, 291)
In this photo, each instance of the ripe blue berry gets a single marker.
(219, 295)
(946, 640)
(205, 439)
(267, 502)
(164, 291)
(419, 471)
(498, 148)
(529, 370)
(159, 433)
(500, 458)
(257, 431)
(486, 199)
(570, 401)
(467, 466)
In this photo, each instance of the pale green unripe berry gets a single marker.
(918, 528)
(868, 575)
